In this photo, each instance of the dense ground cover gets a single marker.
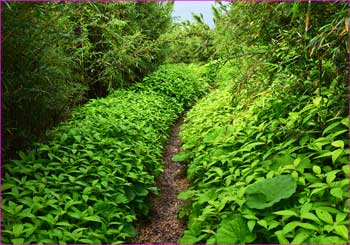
(267, 151)
(90, 182)
(267, 163)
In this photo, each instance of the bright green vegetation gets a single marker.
(240, 148)
(57, 56)
(90, 182)
(268, 150)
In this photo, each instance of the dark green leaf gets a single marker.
(265, 193)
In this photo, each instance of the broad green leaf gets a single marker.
(189, 238)
(318, 185)
(309, 226)
(71, 203)
(211, 240)
(77, 138)
(338, 143)
(130, 194)
(251, 224)
(324, 216)
(316, 169)
(75, 215)
(17, 229)
(337, 192)
(300, 237)
(273, 224)
(286, 213)
(117, 242)
(290, 226)
(63, 138)
(322, 239)
(22, 155)
(55, 233)
(326, 207)
(305, 208)
(93, 218)
(346, 122)
(17, 241)
(330, 176)
(336, 154)
(6, 186)
(342, 231)
(71, 179)
(130, 230)
(88, 241)
(262, 223)
(63, 223)
(328, 228)
(120, 198)
(140, 190)
(186, 195)
(48, 218)
(250, 216)
(340, 217)
(182, 156)
(234, 230)
(85, 198)
(281, 237)
(346, 169)
(265, 193)
(317, 101)
(218, 171)
(330, 127)
(310, 216)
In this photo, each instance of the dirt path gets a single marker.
(164, 225)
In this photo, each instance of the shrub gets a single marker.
(90, 182)
(268, 168)
(184, 85)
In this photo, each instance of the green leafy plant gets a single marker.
(265, 193)
(56, 56)
(278, 160)
(90, 182)
(233, 230)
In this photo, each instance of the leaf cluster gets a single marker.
(267, 164)
(90, 182)
(58, 55)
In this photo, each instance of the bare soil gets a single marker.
(164, 226)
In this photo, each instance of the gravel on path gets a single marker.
(164, 226)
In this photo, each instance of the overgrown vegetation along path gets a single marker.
(163, 225)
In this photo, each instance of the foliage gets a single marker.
(245, 135)
(279, 112)
(91, 181)
(265, 193)
(182, 84)
(189, 42)
(58, 55)
(267, 152)
(233, 229)
(118, 43)
(308, 38)
(37, 83)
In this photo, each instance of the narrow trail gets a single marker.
(164, 225)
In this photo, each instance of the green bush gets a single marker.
(189, 42)
(184, 85)
(239, 147)
(90, 182)
(58, 55)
